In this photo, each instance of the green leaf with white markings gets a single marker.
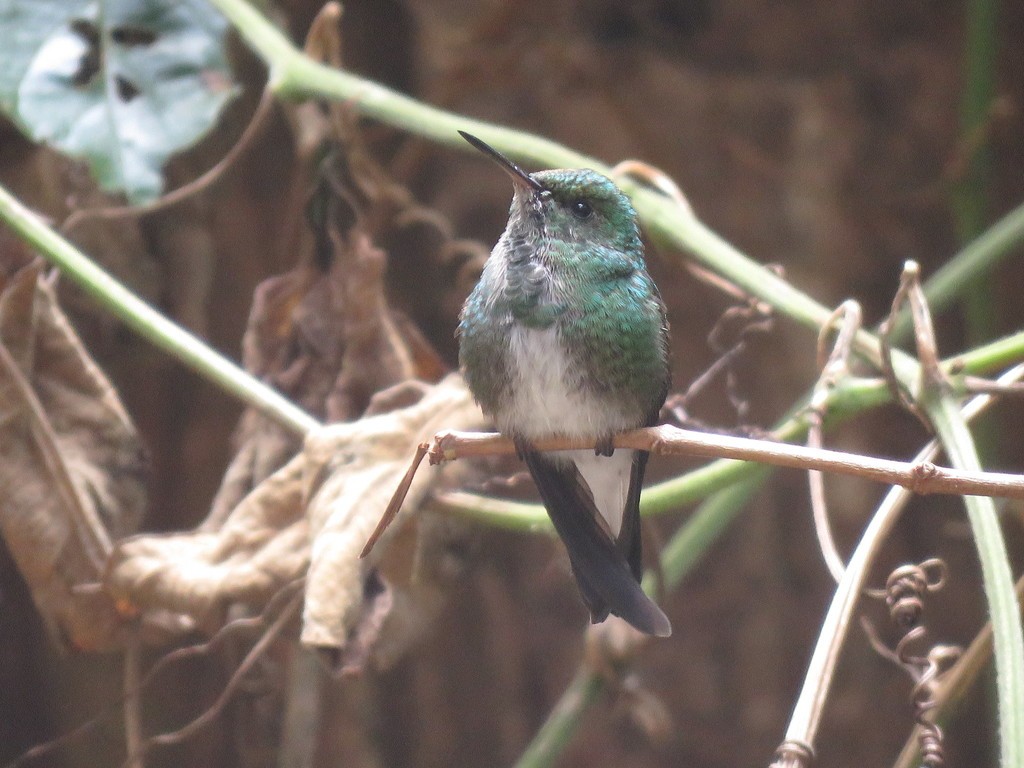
(124, 84)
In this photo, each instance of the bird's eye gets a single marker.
(581, 209)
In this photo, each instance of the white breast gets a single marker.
(541, 404)
(546, 403)
(545, 400)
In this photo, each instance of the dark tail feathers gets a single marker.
(607, 573)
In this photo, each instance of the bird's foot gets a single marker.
(605, 446)
(523, 446)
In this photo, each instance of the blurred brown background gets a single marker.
(820, 136)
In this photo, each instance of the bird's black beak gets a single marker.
(519, 176)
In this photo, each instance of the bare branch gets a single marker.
(977, 385)
(921, 477)
(273, 631)
(287, 597)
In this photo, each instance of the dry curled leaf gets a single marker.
(325, 335)
(316, 511)
(354, 470)
(71, 463)
(262, 546)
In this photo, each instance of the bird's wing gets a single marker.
(629, 541)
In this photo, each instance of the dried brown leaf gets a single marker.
(353, 471)
(379, 350)
(263, 447)
(330, 354)
(262, 546)
(272, 350)
(316, 512)
(329, 340)
(71, 463)
(325, 335)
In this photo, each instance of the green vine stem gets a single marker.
(997, 579)
(294, 75)
(970, 198)
(147, 322)
(803, 725)
(563, 720)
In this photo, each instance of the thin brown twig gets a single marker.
(397, 499)
(922, 477)
(904, 594)
(876, 642)
(199, 649)
(834, 365)
(754, 317)
(977, 385)
(885, 341)
(214, 710)
(259, 119)
(232, 628)
(924, 330)
(722, 363)
(716, 281)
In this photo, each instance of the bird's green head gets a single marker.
(585, 207)
(574, 205)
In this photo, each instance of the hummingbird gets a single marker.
(566, 335)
